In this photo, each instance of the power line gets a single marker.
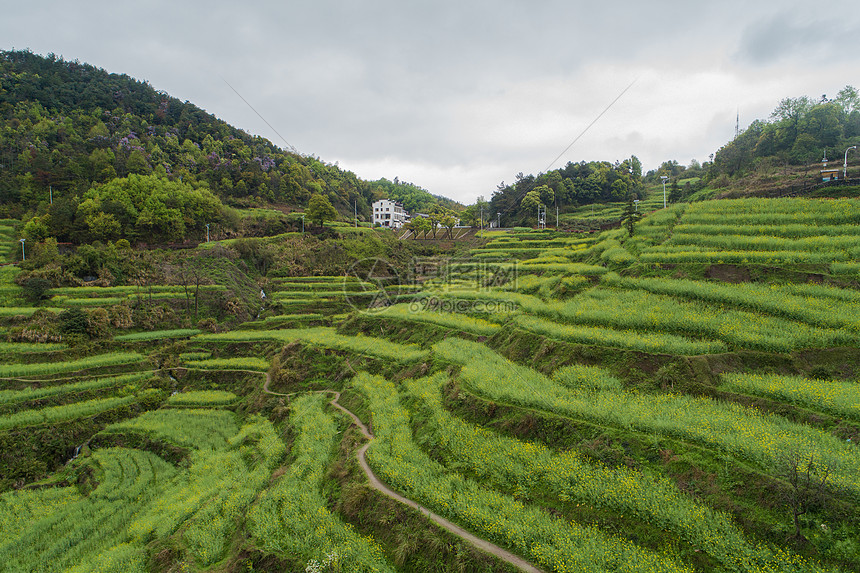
(289, 147)
(577, 138)
(612, 103)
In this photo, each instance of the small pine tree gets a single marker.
(675, 192)
(629, 217)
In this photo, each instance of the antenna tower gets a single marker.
(738, 123)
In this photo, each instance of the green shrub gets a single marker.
(36, 289)
(74, 321)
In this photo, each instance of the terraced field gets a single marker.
(685, 399)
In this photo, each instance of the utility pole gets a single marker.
(355, 211)
(663, 177)
(23, 255)
(845, 165)
(482, 218)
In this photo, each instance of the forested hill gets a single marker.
(67, 128)
(800, 130)
(774, 157)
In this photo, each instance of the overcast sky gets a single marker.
(459, 96)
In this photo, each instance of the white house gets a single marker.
(389, 213)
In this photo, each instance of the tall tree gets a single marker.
(789, 113)
(320, 210)
(848, 99)
(630, 217)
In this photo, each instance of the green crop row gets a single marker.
(325, 279)
(757, 297)
(692, 255)
(8, 274)
(642, 311)
(277, 319)
(617, 255)
(789, 231)
(760, 211)
(507, 249)
(215, 492)
(157, 334)
(323, 336)
(570, 268)
(349, 286)
(646, 341)
(27, 347)
(812, 290)
(833, 396)
(50, 368)
(555, 544)
(660, 314)
(415, 313)
(558, 264)
(26, 310)
(233, 363)
(93, 291)
(504, 301)
(64, 301)
(204, 398)
(14, 396)
(304, 295)
(67, 412)
(546, 286)
(533, 470)
(823, 244)
(759, 438)
(544, 244)
(199, 429)
(209, 532)
(845, 268)
(20, 509)
(83, 534)
(292, 517)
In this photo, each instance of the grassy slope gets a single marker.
(750, 492)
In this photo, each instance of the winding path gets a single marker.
(377, 484)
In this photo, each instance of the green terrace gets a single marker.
(325, 337)
(573, 399)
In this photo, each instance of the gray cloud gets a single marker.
(456, 96)
(784, 37)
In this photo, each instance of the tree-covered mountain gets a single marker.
(799, 131)
(783, 154)
(414, 198)
(71, 134)
(768, 157)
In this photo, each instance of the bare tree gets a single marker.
(189, 276)
(807, 478)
